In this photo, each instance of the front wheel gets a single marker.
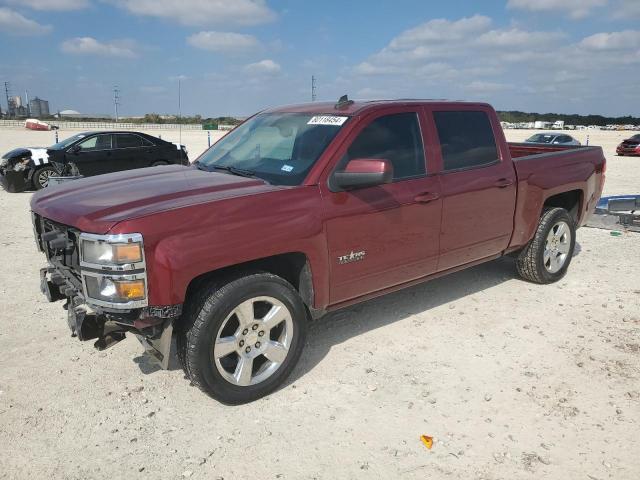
(42, 175)
(241, 340)
(547, 256)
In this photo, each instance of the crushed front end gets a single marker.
(15, 170)
(103, 279)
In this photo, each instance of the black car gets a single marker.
(87, 154)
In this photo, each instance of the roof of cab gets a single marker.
(357, 107)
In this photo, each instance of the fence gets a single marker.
(108, 125)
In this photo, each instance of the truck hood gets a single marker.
(96, 204)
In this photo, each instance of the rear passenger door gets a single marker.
(478, 185)
(131, 151)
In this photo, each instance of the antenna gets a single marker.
(116, 100)
(313, 88)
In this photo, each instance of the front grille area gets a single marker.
(59, 243)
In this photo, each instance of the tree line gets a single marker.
(514, 116)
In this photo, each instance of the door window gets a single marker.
(466, 139)
(125, 140)
(97, 142)
(396, 138)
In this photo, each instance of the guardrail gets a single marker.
(108, 125)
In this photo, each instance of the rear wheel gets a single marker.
(240, 341)
(547, 256)
(41, 176)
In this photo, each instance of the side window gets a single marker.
(466, 139)
(396, 138)
(125, 140)
(97, 142)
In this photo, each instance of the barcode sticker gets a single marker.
(327, 120)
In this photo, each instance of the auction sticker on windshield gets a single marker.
(327, 120)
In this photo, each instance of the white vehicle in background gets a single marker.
(552, 138)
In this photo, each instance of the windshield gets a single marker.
(65, 143)
(635, 138)
(540, 138)
(280, 148)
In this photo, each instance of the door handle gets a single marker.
(427, 197)
(504, 182)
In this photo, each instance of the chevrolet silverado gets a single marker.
(299, 211)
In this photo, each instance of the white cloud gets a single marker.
(625, 40)
(51, 4)
(480, 86)
(91, 46)
(223, 41)
(516, 38)
(263, 67)
(440, 31)
(203, 12)
(16, 24)
(429, 48)
(510, 66)
(576, 9)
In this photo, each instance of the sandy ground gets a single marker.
(513, 380)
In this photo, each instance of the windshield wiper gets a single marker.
(241, 172)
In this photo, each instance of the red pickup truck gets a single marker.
(299, 211)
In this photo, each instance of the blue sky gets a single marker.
(238, 56)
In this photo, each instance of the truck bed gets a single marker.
(521, 149)
(544, 171)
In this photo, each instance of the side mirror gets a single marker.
(75, 149)
(364, 172)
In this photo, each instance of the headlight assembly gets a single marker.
(111, 249)
(113, 270)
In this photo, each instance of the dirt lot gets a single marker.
(513, 380)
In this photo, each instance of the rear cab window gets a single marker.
(466, 139)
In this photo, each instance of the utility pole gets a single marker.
(116, 100)
(313, 88)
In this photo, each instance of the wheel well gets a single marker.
(570, 201)
(293, 267)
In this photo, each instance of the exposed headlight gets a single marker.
(112, 290)
(113, 270)
(111, 249)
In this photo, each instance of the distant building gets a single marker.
(39, 108)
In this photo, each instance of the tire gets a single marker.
(159, 163)
(547, 256)
(41, 176)
(259, 358)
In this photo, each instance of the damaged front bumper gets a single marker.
(153, 326)
(104, 282)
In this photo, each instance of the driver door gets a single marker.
(385, 235)
(94, 155)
